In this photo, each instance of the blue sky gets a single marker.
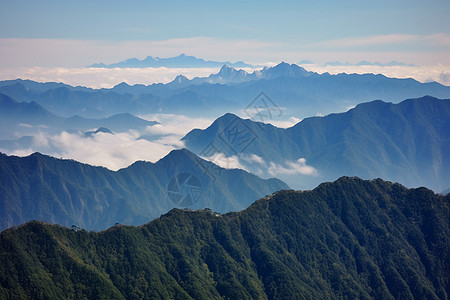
(282, 30)
(281, 20)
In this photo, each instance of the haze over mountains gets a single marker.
(350, 239)
(18, 118)
(368, 63)
(67, 192)
(296, 91)
(407, 142)
(180, 61)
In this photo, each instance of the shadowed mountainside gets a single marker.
(67, 192)
(407, 142)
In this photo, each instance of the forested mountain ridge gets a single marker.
(351, 239)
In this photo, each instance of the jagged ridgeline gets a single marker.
(351, 239)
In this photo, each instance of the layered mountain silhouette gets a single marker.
(180, 61)
(21, 118)
(407, 142)
(229, 75)
(299, 92)
(350, 239)
(368, 63)
(66, 192)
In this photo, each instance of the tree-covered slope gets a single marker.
(67, 192)
(351, 239)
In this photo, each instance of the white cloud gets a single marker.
(350, 107)
(226, 162)
(40, 140)
(18, 152)
(256, 164)
(292, 168)
(284, 123)
(176, 125)
(115, 151)
(108, 150)
(253, 158)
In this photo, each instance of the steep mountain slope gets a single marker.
(66, 192)
(350, 239)
(407, 142)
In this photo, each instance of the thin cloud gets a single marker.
(172, 124)
(253, 158)
(226, 162)
(371, 40)
(113, 151)
(298, 167)
(440, 39)
(256, 164)
(284, 123)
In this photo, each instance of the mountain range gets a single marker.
(66, 192)
(292, 89)
(180, 61)
(28, 118)
(351, 239)
(407, 142)
(368, 63)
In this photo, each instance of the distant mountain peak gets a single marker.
(122, 84)
(227, 70)
(177, 154)
(284, 69)
(99, 130)
(180, 61)
(103, 130)
(181, 78)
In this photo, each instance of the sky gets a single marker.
(54, 33)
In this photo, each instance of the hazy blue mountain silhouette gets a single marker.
(39, 187)
(299, 92)
(407, 142)
(180, 61)
(368, 63)
(28, 117)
